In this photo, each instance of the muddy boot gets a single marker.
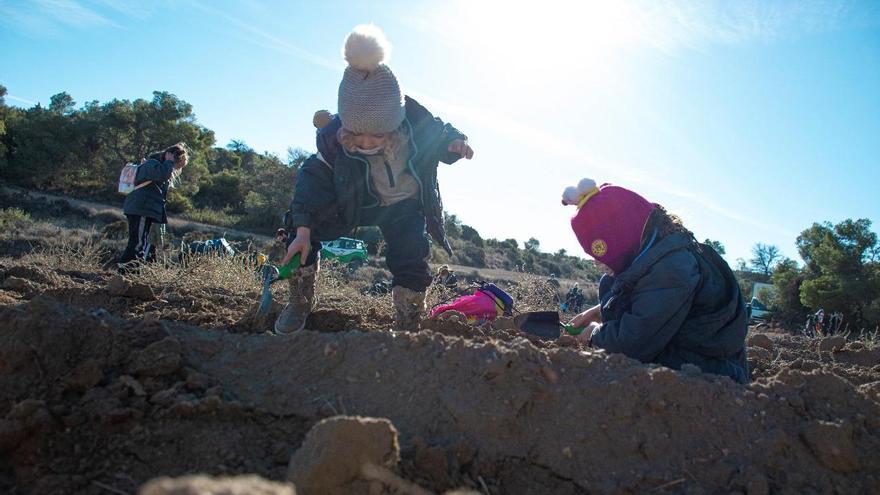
(409, 309)
(299, 305)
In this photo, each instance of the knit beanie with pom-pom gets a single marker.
(321, 119)
(609, 222)
(370, 100)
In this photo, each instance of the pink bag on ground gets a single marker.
(482, 305)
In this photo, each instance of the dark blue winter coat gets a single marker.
(149, 201)
(677, 303)
(333, 186)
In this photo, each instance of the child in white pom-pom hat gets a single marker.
(376, 165)
(669, 299)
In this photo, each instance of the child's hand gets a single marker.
(302, 244)
(593, 314)
(169, 156)
(461, 147)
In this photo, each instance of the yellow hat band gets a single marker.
(592, 192)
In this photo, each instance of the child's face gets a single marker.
(370, 141)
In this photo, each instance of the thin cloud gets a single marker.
(50, 17)
(73, 13)
(268, 40)
(129, 8)
(20, 100)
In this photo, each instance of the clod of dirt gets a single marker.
(832, 344)
(761, 340)
(157, 359)
(118, 286)
(85, 376)
(206, 485)
(335, 451)
(7, 299)
(17, 284)
(759, 355)
(832, 444)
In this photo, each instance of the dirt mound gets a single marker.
(90, 400)
(857, 362)
(78, 387)
(107, 382)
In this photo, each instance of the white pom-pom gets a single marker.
(573, 194)
(366, 47)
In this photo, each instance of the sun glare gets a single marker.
(540, 39)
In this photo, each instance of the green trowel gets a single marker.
(271, 274)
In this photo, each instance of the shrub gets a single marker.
(14, 218)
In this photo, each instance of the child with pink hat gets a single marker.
(669, 299)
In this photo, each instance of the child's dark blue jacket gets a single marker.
(149, 201)
(333, 186)
(677, 303)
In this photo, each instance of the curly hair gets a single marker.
(664, 223)
(394, 141)
(181, 158)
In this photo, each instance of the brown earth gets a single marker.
(108, 382)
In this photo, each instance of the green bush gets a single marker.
(14, 218)
(178, 203)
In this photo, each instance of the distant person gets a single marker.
(446, 278)
(819, 322)
(145, 205)
(376, 164)
(669, 299)
(574, 299)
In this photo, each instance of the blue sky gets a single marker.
(750, 119)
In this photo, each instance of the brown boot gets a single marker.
(302, 300)
(409, 309)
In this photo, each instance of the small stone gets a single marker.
(336, 449)
(117, 286)
(134, 385)
(157, 359)
(761, 340)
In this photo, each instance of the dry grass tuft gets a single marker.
(340, 290)
(66, 249)
(232, 274)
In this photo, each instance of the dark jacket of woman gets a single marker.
(333, 185)
(677, 303)
(149, 201)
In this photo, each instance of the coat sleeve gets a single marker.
(447, 133)
(659, 304)
(314, 194)
(155, 171)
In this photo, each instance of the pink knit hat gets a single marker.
(609, 222)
